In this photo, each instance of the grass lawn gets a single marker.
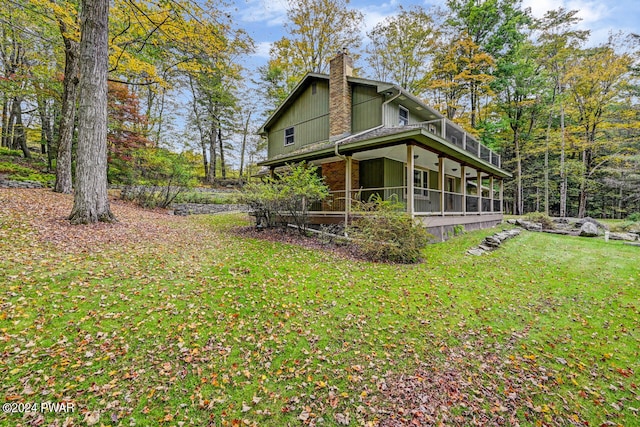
(160, 320)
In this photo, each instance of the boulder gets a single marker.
(583, 221)
(528, 225)
(588, 229)
(630, 237)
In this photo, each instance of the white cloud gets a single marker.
(269, 12)
(588, 11)
(262, 49)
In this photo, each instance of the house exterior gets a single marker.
(370, 137)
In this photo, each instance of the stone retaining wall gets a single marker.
(184, 209)
(5, 183)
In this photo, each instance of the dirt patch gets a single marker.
(46, 213)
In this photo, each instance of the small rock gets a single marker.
(475, 251)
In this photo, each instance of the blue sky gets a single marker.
(264, 19)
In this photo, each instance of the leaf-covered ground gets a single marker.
(161, 320)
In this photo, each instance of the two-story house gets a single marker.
(370, 137)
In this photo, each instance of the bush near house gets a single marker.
(384, 232)
(289, 194)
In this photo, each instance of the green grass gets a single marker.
(233, 330)
(18, 168)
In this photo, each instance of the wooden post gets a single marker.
(444, 129)
(441, 175)
(491, 191)
(463, 184)
(501, 194)
(479, 192)
(410, 166)
(347, 189)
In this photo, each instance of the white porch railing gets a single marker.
(426, 201)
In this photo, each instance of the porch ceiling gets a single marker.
(425, 159)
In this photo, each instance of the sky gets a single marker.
(264, 19)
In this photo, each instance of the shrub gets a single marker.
(162, 175)
(634, 217)
(290, 193)
(384, 232)
(541, 218)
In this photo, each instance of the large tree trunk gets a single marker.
(211, 176)
(19, 135)
(243, 148)
(223, 167)
(5, 121)
(64, 182)
(519, 198)
(91, 201)
(582, 209)
(563, 173)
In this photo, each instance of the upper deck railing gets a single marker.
(460, 138)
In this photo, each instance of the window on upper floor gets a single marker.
(289, 136)
(403, 116)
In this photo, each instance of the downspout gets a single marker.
(336, 151)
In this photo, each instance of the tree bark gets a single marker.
(243, 148)
(223, 167)
(5, 121)
(91, 202)
(19, 136)
(64, 183)
(563, 174)
(211, 176)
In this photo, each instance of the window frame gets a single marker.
(401, 121)
(289, 139)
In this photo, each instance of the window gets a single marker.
(314, 88)
(432, 128)
(403, 119)
(420, 182)
(289, 138)
(454, 140)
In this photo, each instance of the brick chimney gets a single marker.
(340, 68)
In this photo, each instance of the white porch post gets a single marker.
(441, 176)
(347, 188)
(479, 192)
(501, 194)
(491, 191)
(410, 195)
(463, 184)
(444, 128)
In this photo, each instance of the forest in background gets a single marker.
(563, 113)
